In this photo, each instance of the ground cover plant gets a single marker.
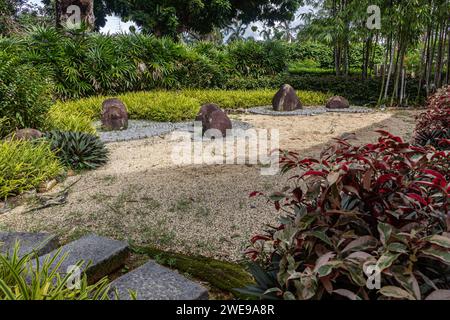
(183, 105)
(384, 204)
(20, 281)
(24, 165)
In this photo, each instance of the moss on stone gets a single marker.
(220, 275)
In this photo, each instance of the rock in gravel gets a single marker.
(213, 118)
(338, 102)
(114, 115)
(101, 256)
(41, 243)
(286, 99)
(25, 134)
(154, 282)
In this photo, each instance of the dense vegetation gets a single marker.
(383, 204)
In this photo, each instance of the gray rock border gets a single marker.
(268, 111)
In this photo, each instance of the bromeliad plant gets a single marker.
(433, 127)
(78, 150)
(382, 206)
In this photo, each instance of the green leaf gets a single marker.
(443, 256)
(439, 240)
(385, 231)
(396, 292)
(362, 243)
(386, 260)
(397, 247)
(322, 236)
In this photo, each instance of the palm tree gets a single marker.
(235, 31)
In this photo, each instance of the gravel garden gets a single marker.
(88, 128)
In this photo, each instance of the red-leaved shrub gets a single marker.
(433, 126)
(356, 211)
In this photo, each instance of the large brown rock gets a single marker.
(212, 117)
(25, 134)
(286, 99)
(337, 102)
(114, 115)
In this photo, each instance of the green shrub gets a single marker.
(78, 150)
(160, 106)
(24, 165)
(25, 95)
(355, 89)
(27, 278)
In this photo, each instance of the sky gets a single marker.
(114, 24)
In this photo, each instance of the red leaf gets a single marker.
(417, 198)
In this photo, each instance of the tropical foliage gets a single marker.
(24, 165)
(78, 150)
(383, 205)
(28, 278)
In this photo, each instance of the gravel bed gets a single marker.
(267, 110)
(141, 129)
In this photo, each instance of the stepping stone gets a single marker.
(101, 256)
(154, 282)
(41, 243)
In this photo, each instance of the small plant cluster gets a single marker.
(433, 126)
(383, 206)
(78, 150)
(24, 165)
(27, 278)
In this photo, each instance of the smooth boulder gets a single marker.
(338, 102)
(212, 117)
(114, 115)
(286, 99)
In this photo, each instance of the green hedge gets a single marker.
(77, 115)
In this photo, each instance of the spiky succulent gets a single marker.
(78, 150)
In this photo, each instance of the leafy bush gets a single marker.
(78, 150)
(384, 204)
(25, 95)
(20, 280)
(433, 127)
(24, 165)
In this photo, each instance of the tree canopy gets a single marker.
(173, 17)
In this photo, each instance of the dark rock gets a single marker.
(286, 99)
(41, 243)
(25, 134)
(101, 256)
(338, 102)
(154, 282)
(212, 117)
(114, 115)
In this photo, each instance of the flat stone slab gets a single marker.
(267, 110)
(154, 282)
(40, 243)
(101, 256)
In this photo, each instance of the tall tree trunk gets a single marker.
(386, 58)
(391, 66)
(440, 53)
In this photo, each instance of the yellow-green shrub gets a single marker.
(162, 106)
(24, 165)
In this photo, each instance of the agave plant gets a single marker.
(78, 150)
